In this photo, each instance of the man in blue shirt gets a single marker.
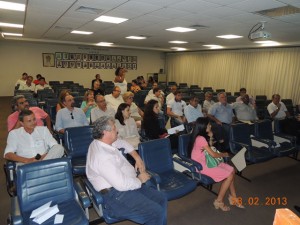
(70, 116)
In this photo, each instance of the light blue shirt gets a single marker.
(88, 112)
(64, 118)
(222, 112)
(191, 113)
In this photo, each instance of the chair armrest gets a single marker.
(195, 163)
(82, 195)
(15, 213)
(269, 142)
(241, 144)
(155, 177)
(95, 195)
(291, 138)
(190, 166)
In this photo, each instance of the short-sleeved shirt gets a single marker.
(192, 114)
(244, 112)
(29, 145)
(282, 112)
(207, 104)
(222, 112)
(113, 102)
(128, 132)
(40, 87)
(177, 107)
(40, 115)
(96, 113)
(66, 118)
(25, 87)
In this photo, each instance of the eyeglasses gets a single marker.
(130, 97)
(72, 117)
(21, 103)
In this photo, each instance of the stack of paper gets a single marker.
(174, 130)
(43, 213)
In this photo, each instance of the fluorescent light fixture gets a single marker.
(11, 34)
(268, 43)
(110, 19)
(12, 6)
(11, 25)
(136, 37)
(180, 29)
(214, 46)
(105, 44)
(81, 32)
(178, 49)
(178, 42)
(229, 36)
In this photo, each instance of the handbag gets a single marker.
(212, 162)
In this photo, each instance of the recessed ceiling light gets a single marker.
(268, 43)
(180, 29)
(136, 37)
(214, 46)
(229, 36)
(178, 42)
(110, 19)
(105, 44)
(178, 49)
(11, 25)
(12, 34)
(81, 32)
(12, 6)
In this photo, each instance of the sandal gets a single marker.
(221, 205)
(235, 201)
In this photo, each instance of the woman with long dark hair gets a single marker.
(201, 141)
(126, 126)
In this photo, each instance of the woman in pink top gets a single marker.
(201, 140)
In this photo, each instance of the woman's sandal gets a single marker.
(221, 205)
(235, 202)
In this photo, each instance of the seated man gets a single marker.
(22, 80)
(244, 111)
(222, 114)
(31, 143)
(101, 109)
(114, 99)
(171, 96)
(193, 111)
(208, 102)
(42, 85)
(278, 111)
(156, 96)
(124, 190)
(175, 109)
(28, 86)
(151, 93)
(243, 91)
(19, 103)
(97, 88)
(70, 116)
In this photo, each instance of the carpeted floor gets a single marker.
(274, 184)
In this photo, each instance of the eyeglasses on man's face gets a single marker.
(22, 103)
(72, 117)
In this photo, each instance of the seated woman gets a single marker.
(126, 126)
(135, 112)
(201, 140)
(88, 103)
(61, 98)
(134, 86)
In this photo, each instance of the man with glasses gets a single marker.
(20, 103)
(102, 109)
(70, 116)
(114, 99)
(193, 111)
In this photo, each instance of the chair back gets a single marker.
(157, 155)
(239, 132)
(44, 181)
(263, 129)
(183, 143)
(77, 140)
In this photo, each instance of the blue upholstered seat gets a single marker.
(157, 156)
(44, 181)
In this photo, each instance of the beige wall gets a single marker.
(17, 57)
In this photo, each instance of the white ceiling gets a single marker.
(52, 21)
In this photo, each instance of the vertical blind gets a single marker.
(261, 72)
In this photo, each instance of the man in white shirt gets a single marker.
(101, 109)
(208, 102)
(154, 85)
(28, 86)
(22, 80)
(31, 143)
(123, 190)
(277, 109)
(175, 108)
(156, 96)
(42, 85)
(193, 111)
(114, 99)
(171, 96)
(243, 92)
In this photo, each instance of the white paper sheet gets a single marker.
(40, 210)
(239, 160)
(174, 130)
